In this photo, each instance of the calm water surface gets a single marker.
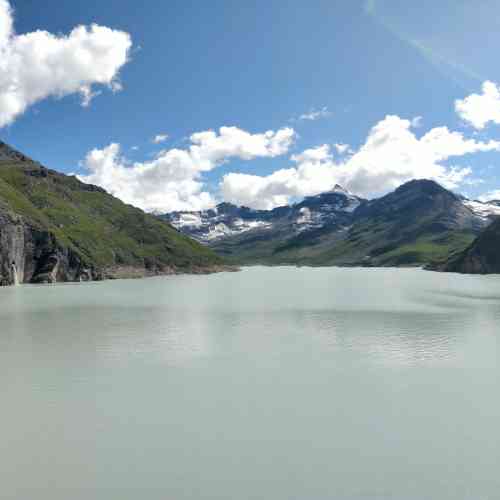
(269, 384)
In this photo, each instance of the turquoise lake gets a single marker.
(271, 384)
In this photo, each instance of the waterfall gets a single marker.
(14, 274)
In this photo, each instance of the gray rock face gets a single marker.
(481, 257)
(12, 248)
(28, 255)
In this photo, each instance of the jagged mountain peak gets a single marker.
(425, 186)
(340, 189)
(337, 189)
(227, 207)
(329, 209)
(493, 202)
(225, 204)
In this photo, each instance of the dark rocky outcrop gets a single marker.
(481, 257)
(31, 255)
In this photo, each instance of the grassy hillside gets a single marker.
(100, 229)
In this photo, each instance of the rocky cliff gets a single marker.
(28, 255)
(481, 257)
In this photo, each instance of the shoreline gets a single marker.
(133, 273)
(130, 272)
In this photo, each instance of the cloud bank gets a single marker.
(172, 181)
(391, 155)
(36, 65)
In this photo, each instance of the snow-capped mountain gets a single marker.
(483, 210)
(418, 222)
(335, 207)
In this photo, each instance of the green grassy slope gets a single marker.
(103, 231)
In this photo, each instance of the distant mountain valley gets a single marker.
(418, 223)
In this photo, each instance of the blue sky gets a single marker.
(199, 66)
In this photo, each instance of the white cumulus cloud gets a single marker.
(480, 109)
(34, 66)
(315, 114)
(342, 148)
(391, 155)
(173, 180)
(169, 182)
(158, 139)
(490, 195)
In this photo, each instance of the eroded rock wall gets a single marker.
(28, 255)
(12, 248)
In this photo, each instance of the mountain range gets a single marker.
(418, 223)
(55, 228)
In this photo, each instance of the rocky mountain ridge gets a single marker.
(226, 220)
(418, 222)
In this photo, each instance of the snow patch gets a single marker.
(304, 216)
(482, 210)
(353, 204)
(188, 219)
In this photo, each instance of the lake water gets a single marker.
(269, 384)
